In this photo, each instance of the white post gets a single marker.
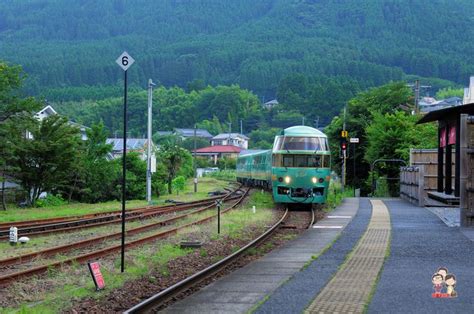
(13, 235)
(148, 168)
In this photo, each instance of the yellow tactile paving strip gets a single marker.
(349, 289)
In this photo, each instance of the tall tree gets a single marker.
(173, 157)
(41, 161)
(11, 106)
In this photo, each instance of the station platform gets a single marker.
(367, 255)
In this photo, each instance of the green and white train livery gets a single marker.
(297, 169)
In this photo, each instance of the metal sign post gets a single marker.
(219, 204)
(354, 141)
(124, 61)
(148, 164)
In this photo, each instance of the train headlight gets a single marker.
(314, 179)
(287, 179)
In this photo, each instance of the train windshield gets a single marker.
(301, 161)
(301, 143)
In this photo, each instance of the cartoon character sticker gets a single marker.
(442, 279)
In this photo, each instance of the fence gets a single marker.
(413, 184)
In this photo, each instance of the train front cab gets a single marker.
(301, 170)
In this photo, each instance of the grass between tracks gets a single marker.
(15, 213)
(59, 289)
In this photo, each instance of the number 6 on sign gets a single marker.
(125, 61)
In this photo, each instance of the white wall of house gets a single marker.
(233, 140)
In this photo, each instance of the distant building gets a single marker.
(49, 111)
(137, 145)
(469, 92)
(235, 139)
(189, 133)
(439, 104)
(218, 151)
(270, 104)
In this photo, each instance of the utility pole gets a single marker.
(303, 120)
(417, 89)
(194, 161)
(241, 127)
(316, 122)
(148, 164)
(343, 181)
(230, 130)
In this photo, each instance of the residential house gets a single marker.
(189, 133)
(49, 111)
(218, 151)
(440, 104)
(137, 145)
(270, 104)
(235, 139)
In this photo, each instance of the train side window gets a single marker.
(314, 161)
(288, 161)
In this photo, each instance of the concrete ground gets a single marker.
(248, 286)
(421, 243)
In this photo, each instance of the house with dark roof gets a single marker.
(235, 139)
(189, 133)
(270, 104)
(138, 145)
(218, 151)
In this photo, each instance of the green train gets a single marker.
(297, 169)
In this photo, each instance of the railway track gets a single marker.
(105, 251)
(172, 292)
(65, 224)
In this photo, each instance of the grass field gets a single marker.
(14, 213)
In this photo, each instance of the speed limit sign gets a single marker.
(125, 61)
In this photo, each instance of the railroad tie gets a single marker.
(349, 289)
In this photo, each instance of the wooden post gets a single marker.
(421, 185)
(464, 170)
(457, 171)
(440, 159)
(448, 188)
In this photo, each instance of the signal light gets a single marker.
(343, 143)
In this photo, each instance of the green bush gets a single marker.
(51, 200)
(222, 175)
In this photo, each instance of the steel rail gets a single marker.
(68, 247)
(95, 222)
(313, 217)
(107, 251)
(4, 226)
(185, 284)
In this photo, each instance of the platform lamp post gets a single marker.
(148, 168)
(124, 61)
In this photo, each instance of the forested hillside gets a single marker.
(313, 55)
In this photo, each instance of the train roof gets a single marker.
(301, 130)
(249, 152)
